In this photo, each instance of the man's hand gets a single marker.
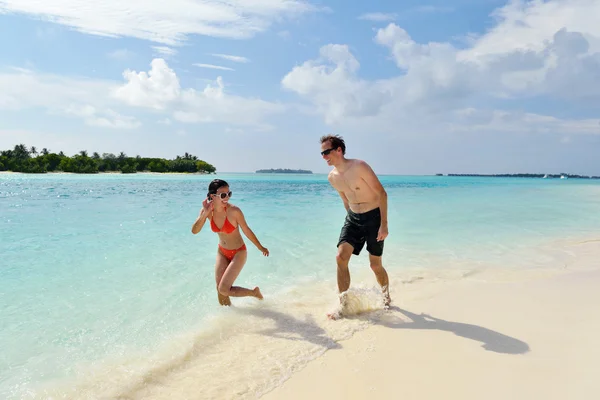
(383, 232)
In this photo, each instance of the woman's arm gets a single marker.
(239, 216)
(199, 223)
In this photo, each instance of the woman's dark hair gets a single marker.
(215, 185)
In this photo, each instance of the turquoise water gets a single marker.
(100, 267)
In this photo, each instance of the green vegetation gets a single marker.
(22, 159)
(283, 171)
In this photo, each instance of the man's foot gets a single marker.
(334, 315)
(386, 301)
(386, 298)
(257, 293)
(337, 313)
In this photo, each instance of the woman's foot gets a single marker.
(224, 300)
(257, 293)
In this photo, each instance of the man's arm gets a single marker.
(368, 175)
(239, 216)
(345, 200)
(342, 195)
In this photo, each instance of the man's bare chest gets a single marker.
(348, 183)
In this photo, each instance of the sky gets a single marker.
(454, 86)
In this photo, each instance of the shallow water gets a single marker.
(104, 291)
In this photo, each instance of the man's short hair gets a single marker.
(336, 141)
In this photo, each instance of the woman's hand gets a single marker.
(207, 206)
(264, 250)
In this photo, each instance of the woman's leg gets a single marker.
(226, 287)
(220, 268)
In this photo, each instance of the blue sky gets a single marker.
(454, 87)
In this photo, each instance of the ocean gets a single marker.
(106, 293)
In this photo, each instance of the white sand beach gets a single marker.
(528, 336)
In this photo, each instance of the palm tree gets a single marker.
(45, 151)
(33, 150)
(96, 156)
(21, 151)
(83, 153)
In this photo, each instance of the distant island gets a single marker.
(29, 160)
(523, 175)
(283, 171)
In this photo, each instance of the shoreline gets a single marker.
(107, 173)
(551, 177)
(494, 319)
(521, 339)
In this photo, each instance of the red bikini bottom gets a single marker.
(230, 253)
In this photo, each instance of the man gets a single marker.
(365, 201)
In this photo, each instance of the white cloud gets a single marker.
(332, 85)
(106, 118)
(212, 66)
(436, 80)
(237, 59)
(83, 98)
(105, 103)
(285, 35)
(378, 17)
(528, 25)
(159, 89)
(162, 22)
(164, 51)
(153, 89)
(471, 119)
(120, 54)
(434, 9)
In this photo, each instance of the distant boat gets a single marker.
(545, 176)
(563, 177)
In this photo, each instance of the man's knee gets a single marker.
(375, 263)
(343, 256)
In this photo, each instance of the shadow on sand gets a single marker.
(290, 328)
(287, 327)
(492, 340)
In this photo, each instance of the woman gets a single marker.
(226, 219)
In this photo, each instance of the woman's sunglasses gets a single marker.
(223, 195)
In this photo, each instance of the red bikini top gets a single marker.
(227, 226)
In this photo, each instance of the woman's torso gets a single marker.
(226, 226)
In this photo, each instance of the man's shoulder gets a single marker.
(360, 164)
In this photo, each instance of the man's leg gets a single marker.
(382, 278)
(343, 273)
(342, 258)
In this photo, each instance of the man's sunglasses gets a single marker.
(223, 195)
(326, 152)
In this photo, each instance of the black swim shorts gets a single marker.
(361, 228)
